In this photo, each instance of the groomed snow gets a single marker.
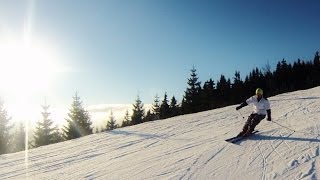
(188, 147)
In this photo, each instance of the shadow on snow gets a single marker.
(132, 133)
(259, 137)
(291, 99)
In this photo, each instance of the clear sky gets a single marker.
(110, 51)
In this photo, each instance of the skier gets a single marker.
(261, 108)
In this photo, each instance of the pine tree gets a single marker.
(78, 123)
(44, 131)
(111, 124)
(155, 115)
(164, 108)
(316, 59)
(237, 88)
(19, 139)
(97, 130)
(269, 80)
(57, 135)
(283, 76)
(191, 100)
(126, 121)
(207, 95)
(316, 69)
(223, 91)
(5, 137)
(174, 107)
(149, 116)
(138, 112)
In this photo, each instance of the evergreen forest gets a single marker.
(198, 96)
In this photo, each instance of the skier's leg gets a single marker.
(256, 120)
(246, 126)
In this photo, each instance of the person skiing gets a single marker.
(261, 108)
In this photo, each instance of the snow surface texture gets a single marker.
(188, 147)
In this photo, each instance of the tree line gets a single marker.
(302, 74)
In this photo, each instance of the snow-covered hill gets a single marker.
(188, 147)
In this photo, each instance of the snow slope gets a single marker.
(188, 147)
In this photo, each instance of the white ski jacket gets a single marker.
(259, 107)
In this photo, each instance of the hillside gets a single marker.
(188, 147)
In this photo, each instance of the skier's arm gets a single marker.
(241, 105)
(268, 111)
(269, 115)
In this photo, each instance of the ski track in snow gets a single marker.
(188, 147)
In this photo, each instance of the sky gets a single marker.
(188, 147)
(112, 51)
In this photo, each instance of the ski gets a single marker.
(236, 139)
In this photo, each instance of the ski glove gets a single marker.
(241, 105)
(269, 115)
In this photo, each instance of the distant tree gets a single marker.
(43, 134)
(237, 88)
(138, 112)
(256, 79)
(97, 130)
(19, 139)
(223, 91)
(5, 128)
(174, 107)
(316, 69)
(79, 122)
(111, 124)
(270, 84)
(149, 116)
(126, 120)
(164, 107)
(298, 69)
(283, 78)
(57, 135)
(267, 69)
(237, 82)
(192, 100)
(316, 59)
(155, 115)
(207, 95)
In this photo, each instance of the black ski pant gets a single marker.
(252, 122)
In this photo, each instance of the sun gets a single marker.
(28, 76)
(26, 68)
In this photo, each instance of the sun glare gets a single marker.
(26, 69)
(27, 76)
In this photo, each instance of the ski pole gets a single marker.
(241, 114)
(283, 126)
(313, 134)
